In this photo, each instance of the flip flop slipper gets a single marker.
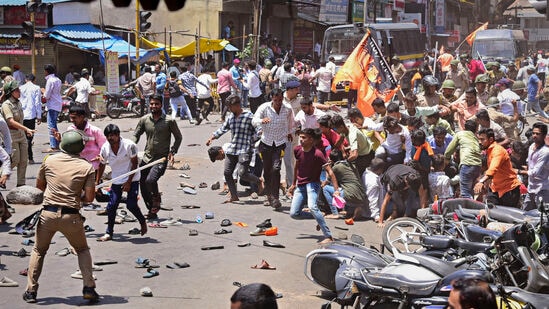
(224, 192)
(241, 224)
(189, 190)
(157, 225)
(105, 262)
(181, 265)
(263, 265)
(215, 186)
(222, 231)
(166, 208)
(258, 232)
(27, 242)
(134, 231)
(212, 247)
(350, 221)
(193, 233)
(226, 222)
(146, 292)
(190, 206)
(192, 145)
(24, 272)
(187, 185)
(88, 228)
(342, 228)
(203, 185)
(7, 282)
(183, 175)
(151, 273)
(243, 244)
(63, 252)
(267, 243)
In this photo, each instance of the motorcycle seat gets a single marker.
(479, 234)
(114, 94)
(438, 266)
(452, 204)
(402, 284)
(508, 214)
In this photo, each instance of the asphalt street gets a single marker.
(208, 282)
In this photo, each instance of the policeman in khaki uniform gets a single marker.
(460, 77)
(63, 177)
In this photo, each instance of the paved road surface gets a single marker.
(208, 282)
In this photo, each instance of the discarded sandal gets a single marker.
(212, 247)
(157, 225)
(144, 263)
(27, 242)
(151, 273)
(24, 272)
(243, 244)
(203, 185)
(267, 243)
(7, 282)
(263, 265)
(146, 292)
(222, 231)
(226, 222)
(209, 215)
(176, 265)
(21, 253)
(188, 190)
(350, 221)
(186, 185)
(105, 262)
(183, 175)
(265, 224)
(193, 233)
(134, 231)
(88, 229)
(78, 275)
(241, 224)
(215, 186)
(190, 206)
(185, 167)
(258, 232)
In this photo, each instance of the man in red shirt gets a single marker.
(475, 68)
(503, 184)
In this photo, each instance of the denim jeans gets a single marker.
(467, 176)
(149, 181)
(180, 100)
(52, 124)
(131, 204)
(231, 162)
(309, 192)
(328, 191)
(534, 105)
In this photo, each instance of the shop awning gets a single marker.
(87, 37)
(206, 45)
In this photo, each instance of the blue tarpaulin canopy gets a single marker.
(88, 37)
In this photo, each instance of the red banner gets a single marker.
(15, 15)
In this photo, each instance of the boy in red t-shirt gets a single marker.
(306, 183)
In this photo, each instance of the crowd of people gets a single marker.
(458, 138)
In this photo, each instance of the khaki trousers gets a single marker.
(72, 227)
(20, 156)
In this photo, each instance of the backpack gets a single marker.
(173, 89)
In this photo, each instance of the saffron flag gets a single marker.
(471, 37)
(367, 72)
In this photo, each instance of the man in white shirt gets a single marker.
(204, 94)
(83, 90)
(397, 137)
(277, 122)
(331, 66)
(32, 108)
(121, 155)
(255, 96)
(324, 77)
(307, 117)
(506, 96)
(374, 190)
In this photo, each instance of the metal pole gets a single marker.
(129, 60)
(255, 49)
(365, 12)
(137, 26)
(33, 44)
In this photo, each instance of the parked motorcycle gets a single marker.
(124, 102)
(365, 278)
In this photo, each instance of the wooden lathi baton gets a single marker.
(108, 182)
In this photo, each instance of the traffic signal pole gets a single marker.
(33, 45)
(137, 39)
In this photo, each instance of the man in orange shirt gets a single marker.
(503, 184)
(445, 60)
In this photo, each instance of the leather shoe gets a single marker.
(265, 224)
(268, 243)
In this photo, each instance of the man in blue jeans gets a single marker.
(52, 94)
(306, 183)
(470, 160)
(121, 155)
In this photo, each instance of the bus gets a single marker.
(500, 44)
(394, 39)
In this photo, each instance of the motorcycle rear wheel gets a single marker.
(113, 111)
(403, 234)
